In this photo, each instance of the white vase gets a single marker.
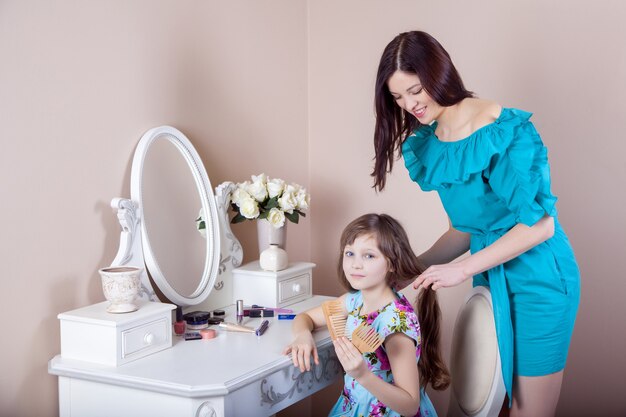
(120, 285)
(268, 234)
(273, 259)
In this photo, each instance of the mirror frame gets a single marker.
(207, 199)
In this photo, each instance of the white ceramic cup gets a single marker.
(121, 285)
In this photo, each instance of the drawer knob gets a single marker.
(148, 339)
(296, 288)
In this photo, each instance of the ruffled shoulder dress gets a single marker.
(488, 182)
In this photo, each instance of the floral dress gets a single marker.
(397, 316)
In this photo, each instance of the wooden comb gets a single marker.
(366, 339)
(335, 317)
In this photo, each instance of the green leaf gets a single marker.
(300, 213)
(238, 218)
(292, 217)
(271, 203)
(263, 215)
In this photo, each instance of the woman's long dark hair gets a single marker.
(415, 53)
(404, 267)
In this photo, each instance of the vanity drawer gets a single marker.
(295, 289)
(91, 334)
(150, 336)
(253, 285)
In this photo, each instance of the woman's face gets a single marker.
(364, 265)
(409, 94)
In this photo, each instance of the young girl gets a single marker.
(376, 257)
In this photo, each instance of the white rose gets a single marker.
(249, 208)
(239, 194)
(276, 217)
(303, 199)
(288, 202)
(262, 178)
(275, 187)
(258, 189)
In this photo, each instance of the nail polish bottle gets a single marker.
(179, 324)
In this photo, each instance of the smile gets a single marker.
(419, 112)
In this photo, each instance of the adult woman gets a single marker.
(490, 168)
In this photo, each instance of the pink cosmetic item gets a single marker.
(208, 334)
(179, 324)
(179, 328)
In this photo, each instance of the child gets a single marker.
(376, 257)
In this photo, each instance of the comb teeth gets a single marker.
(335, 318)
(366, 339)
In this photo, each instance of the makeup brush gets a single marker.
(233, 327)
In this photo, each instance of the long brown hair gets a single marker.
(404, 267)
(414, 53)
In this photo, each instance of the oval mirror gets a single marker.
(171, 187)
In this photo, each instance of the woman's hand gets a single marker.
(350, 358)
(440, 276)
(301, 349)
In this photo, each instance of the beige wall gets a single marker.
(80, 82)
(285, 87)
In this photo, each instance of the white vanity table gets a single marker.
(124, 366)
(235, 374)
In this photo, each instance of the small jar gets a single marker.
(197, 320)
(273, 258)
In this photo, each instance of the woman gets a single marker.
(490, 168)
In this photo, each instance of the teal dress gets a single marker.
(397, 316)
(488, 182)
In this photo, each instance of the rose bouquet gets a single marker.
(269, 198)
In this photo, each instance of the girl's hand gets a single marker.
(301, 349)
(350, 358)
(440, 276)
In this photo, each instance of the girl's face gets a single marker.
(364, 265)
(407, 91)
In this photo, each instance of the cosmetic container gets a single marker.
(179, 324)
(197, 320)
(239, 311)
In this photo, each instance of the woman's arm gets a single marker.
(403, 395)
(452, 244)
(512, 244)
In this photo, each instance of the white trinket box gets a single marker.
(92, 334)
(273, 289)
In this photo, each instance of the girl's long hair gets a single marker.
(404, 267)
(414, 53)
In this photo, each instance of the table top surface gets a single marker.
(203, 367)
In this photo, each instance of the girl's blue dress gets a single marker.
(488, 182)
(397, 316)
